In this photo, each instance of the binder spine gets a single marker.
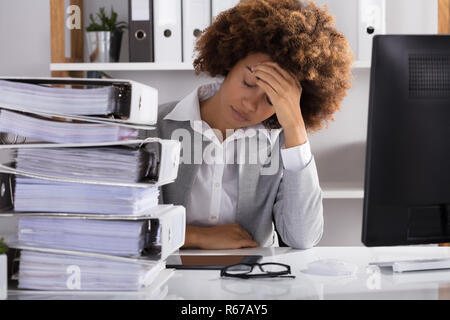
(173, 228)
(7, 187)
(195, 18)
(152, 247)
(144, 104)
(151, 161)
(122, 100)
(372, 21)
(141, 38)
(167, 26)
(170, 160)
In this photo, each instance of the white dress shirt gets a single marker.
(214, 194)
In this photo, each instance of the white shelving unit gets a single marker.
(120, 66)
(361, 64)
(334, 190)
(149, 66)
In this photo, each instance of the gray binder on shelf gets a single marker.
(140, 24)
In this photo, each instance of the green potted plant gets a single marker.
(3, 270)
(104, 37)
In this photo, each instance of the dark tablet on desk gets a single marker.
(208, 262)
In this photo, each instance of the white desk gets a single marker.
(368, 283)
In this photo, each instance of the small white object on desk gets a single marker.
(415, 265)
(331, 267)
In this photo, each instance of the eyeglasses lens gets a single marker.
(239, 269)
(274, 268)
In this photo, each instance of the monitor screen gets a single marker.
(407, 177)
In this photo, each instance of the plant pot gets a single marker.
(104, 46)
(3, 277)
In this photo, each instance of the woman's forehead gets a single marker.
(255, 58)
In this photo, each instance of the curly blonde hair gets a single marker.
(300, 37)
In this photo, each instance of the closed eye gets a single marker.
(250, 86)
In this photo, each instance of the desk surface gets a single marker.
(368, 283)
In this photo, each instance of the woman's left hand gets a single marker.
(284, 92)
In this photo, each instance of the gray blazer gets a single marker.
(293, 200)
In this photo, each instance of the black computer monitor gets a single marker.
(407, 177)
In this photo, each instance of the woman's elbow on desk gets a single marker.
(304, 243)
(307, 229)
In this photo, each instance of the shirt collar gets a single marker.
(188, 109)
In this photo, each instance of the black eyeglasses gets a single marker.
(269, 270)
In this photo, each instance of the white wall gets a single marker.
(338, 150)
(24, 38)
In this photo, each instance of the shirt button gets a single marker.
(217, 185)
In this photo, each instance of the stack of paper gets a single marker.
(88, 253)
(36, 195)
(88, 198)
(119, 164)
(51, 130)
(96, 101)
(50, 271)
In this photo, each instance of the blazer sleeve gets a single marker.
(298, 208)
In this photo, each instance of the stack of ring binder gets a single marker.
(85, 189)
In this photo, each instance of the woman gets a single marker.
(285, 67)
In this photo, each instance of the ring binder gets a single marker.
(132, 102)
(143, 238)
(165, 233)
(196, 17)
(140, 18)
(167, 224)
(167, 31)
(161, 161)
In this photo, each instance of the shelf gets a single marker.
(120, 66)
(143, 66)
(343, 194)
(342, 191)
(361, 64)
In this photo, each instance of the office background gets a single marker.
(338, 150)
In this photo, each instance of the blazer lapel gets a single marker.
(247, 184)
(188, 171)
